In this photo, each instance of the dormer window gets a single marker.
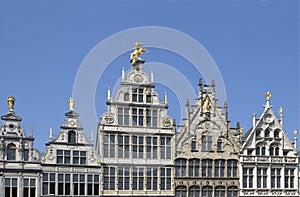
(219, 145)
(276, 133)
(72, 137)
(11, 151)
(194, 145)
(267, 133)
(126, 97)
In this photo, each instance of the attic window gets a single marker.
(276, 133)
(11, 151)
(11, 126)
(72, 137)
(267, 133)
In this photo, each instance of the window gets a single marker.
(260, 150)
(126, 96)
(29, 189)
(180, 191)
(248, 177)
(151, 143)
(151, 174)
(48, 184)
(232, 191)
(206, 167)
(220, 191)
(207, 191)
(232, 168)
(137, 95)
(123, 146)
(206, 142)
(109, 178)
(194, 167)
(123, 116)
(93, 184)
(194, 145)
(180, 167)
(26, 154)
(165, 147)
(274, 150)
(261, 178)
(194, 191)
(72, 137)
(137, 117)
(137, 146)
(165, 178)
(79, 157)
(258, 132)
(219, 145)
(137, 178)
(219, 168)
(276, 133)
(64, 184)
(63, 156)
(289, 178)
(275, 178)
(78, 184)
(148, 98)
(109, 145)
(11, 187)
(123, 183)
(11, 151)
(267, 133)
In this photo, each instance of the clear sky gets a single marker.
(254, 43)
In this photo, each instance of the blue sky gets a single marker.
(255, 45)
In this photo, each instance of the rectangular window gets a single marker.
(231, 168)
(63, 156)
(206, 143)
(123, 116)
(11, 187)
(154, 117)
(261, 178)
(79, 184)
(120, 146)
(248, 177)
(137, 117)
(26, 155)
(48, 184)
(219, 145)
(151, 174)
(194, 167)
(137, 178)
(29, 187)
(275, 178)
(289, 178)
(124, 178)
(109, 178)
(79, 157)
(165, 147)
(165, 178)
(219, 168)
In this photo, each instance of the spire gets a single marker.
(200, 88)
(92, 136)
(152, 77)
(50, 134)
(253, 120)
(226, 110)
(213, 86)
(123, 74)
(295, 138)
(31, 131)
(268, 95)
(281, 115)
(108, 93)
(165, 98)
(11, 103)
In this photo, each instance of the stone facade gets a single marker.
(136, 140)
(207, 149)
(139, 152)
(269, 162)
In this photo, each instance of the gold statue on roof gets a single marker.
(11, 103)
(268, 95)
(138, 50)
(206, 105)
(71, 104)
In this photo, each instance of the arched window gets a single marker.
(258, 133)
(180, 191)
(274, 150)
(232, 191)
(72, 137)
(126, 96)
(260, 150)
(194, 191)
(194, 167)
(267, 133)
(207, 191)
(11, 151)
(220, 191)
(219, 145)
(206, 167)
(180, 167)
(276, 133)
(263, 151)
(257, 150)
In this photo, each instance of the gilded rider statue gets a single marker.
(138, 50)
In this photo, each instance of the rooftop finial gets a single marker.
(268, 95)
(138, 50)
(11, 103)
(281, 115)
(108, 93)
(165, 98)
(71, 104)
(50, 133)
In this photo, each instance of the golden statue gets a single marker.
(281, 111)
(206, 105)
(71, 104)
(138, 50)
(11, 103)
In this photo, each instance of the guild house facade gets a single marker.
(140, 151)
